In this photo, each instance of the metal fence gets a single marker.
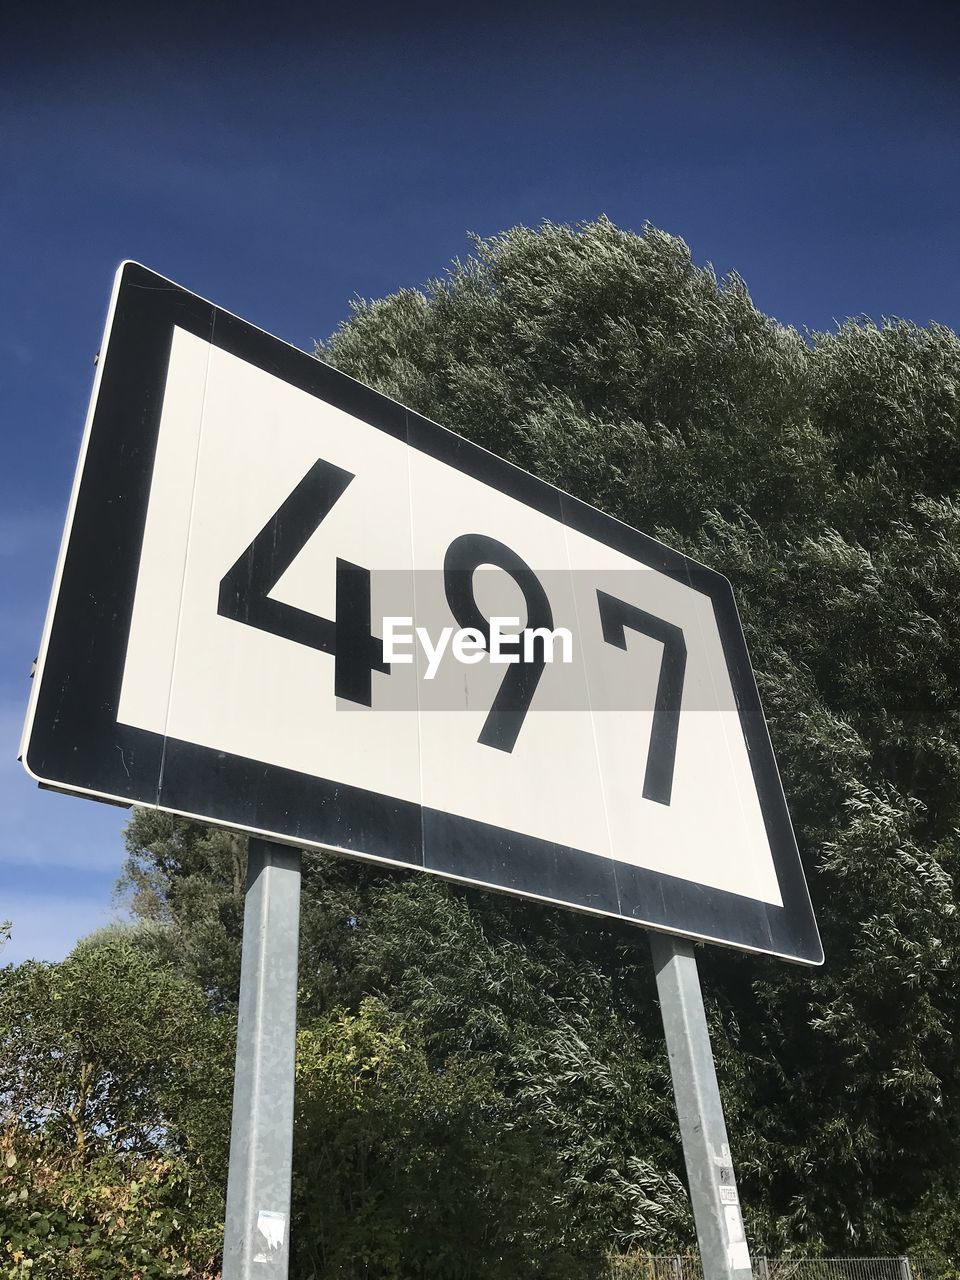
(636, 1266)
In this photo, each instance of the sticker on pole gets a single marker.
(288, 605)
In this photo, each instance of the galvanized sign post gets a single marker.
(706, 1149)
(257, 1230)
(279, 607)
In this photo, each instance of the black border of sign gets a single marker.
(73, 741)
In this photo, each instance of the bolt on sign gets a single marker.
(288, 605)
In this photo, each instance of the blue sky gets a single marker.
(283, 162)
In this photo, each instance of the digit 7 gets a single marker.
(615, 616)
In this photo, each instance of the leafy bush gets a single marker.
(105, 1218)
(114, 1097)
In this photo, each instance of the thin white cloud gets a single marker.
(29, 531)
(28, 552)
(43, 828)
(21, 352)
(46, 925)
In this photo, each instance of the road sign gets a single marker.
(278, 607)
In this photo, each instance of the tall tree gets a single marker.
(820, 473)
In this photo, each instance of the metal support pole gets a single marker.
(256, 1239)
(713, 1188)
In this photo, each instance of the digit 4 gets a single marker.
(245, 588)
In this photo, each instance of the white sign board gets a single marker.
(289, 605)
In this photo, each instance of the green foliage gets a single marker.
(522, 990)
(114, 1089)
(113, 1217)
(410, 1168)
(188, 881)
(108, 1051)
